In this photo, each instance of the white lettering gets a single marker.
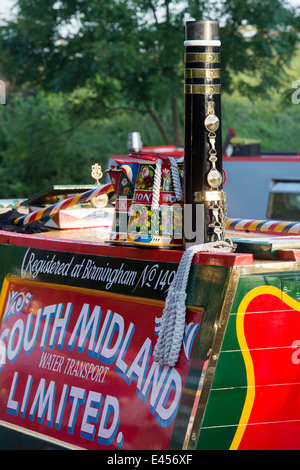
(295, 99)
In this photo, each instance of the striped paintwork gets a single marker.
(272, 227)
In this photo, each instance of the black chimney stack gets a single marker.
(205, 201)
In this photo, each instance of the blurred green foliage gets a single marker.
(41, 144)
(82, 74)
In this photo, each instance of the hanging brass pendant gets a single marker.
(211, 123)
(214, 178)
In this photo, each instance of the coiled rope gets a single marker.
(170, 337)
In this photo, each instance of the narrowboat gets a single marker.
(162, 325)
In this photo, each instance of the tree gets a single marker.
(129, 53)
(35, 148)
(259, 39)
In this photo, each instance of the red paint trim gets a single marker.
(223, 259)
(289, 255)
(105, 249)
(101, 249)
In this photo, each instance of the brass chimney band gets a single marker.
(202, 73)
(202, 89)
(208, 57)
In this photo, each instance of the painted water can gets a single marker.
(156, 213)
(123, 178)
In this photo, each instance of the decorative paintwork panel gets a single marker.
(77, 368)
(253, 402)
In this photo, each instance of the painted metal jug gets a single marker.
(123, 178)
(156, 213)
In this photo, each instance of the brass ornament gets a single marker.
(96, 172)
(211, 123)
(215, 196)
(214, 178)
(209, 196)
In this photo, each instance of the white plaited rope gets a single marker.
(156, 186)
(176, 178)
(170, 337)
